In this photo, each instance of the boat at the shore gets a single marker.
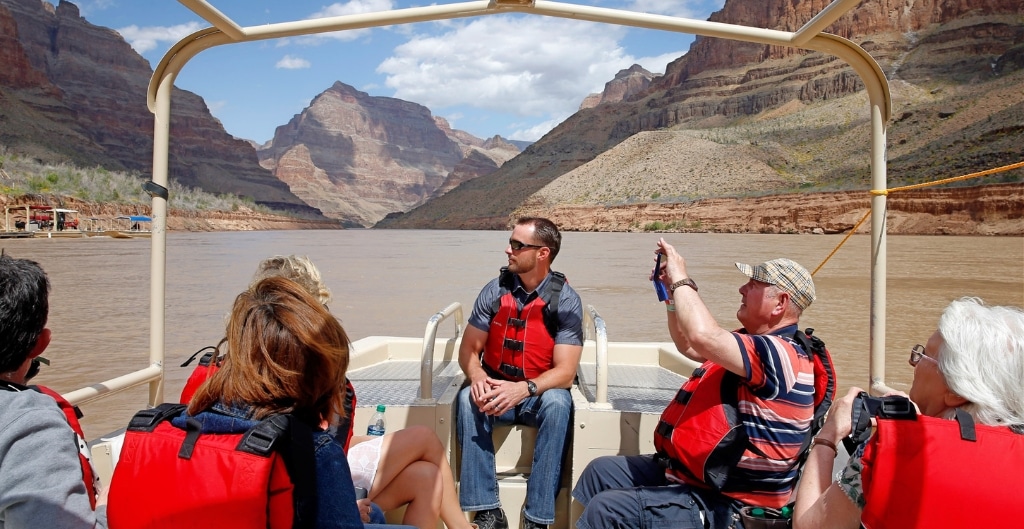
(40, 220)
(129, 227)
(622, 386)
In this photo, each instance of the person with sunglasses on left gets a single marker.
(520, 353)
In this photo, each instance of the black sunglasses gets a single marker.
(516, 245)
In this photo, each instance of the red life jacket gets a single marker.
(520, 343)
(172, 478)
(72, 413)
(931, 472)
(700, 438)
(207, 366)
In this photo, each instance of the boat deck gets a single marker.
(397, 382)
(632, 388)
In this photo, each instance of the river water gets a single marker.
(389, 282)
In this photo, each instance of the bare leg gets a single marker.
(419, 443)
(418, 487)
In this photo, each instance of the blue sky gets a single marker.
(513, 75)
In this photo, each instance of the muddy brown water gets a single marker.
(389, 282)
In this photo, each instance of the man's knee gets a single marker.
(611, 509)
(591, 481)
(556, 404)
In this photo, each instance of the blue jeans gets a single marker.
(550, 413)
(620, 492)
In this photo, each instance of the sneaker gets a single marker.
(530, 524)
(491, 519)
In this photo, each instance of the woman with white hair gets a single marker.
(959, 463)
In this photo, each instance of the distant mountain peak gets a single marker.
(622, 87)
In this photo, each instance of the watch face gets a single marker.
(531, 387)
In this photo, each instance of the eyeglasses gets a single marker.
(516, 245)
(917, 353)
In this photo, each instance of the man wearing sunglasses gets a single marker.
(520, 353)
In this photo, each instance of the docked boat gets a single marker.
(622, 386)
(41, 220)
(130, 226)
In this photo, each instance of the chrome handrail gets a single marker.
(427, 358)
(153, 373)
(594, 329)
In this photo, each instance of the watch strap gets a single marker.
(688, 282)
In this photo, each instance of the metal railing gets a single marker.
(594, 329)
(429, 337)
(152, 374)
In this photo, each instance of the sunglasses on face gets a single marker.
(917, 353)
(516, 245)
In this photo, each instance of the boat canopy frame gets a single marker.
(226, 31)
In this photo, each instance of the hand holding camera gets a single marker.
(659, 287)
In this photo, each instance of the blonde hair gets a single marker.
(298, 268)
(287, 354)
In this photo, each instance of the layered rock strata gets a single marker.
(357, 157)
(100, 95)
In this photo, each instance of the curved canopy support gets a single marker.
(226, 31)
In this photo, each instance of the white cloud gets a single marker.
(677, 8)
(352, 8)
(336, 9)
(292, 63)
(147, 38)
(535, 132)
(658, 63)
(526, 66)
(216, 106)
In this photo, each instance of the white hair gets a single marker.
(982, 359)
(298, 268)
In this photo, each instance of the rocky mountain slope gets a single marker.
(624, 86)
(358, 158)
(785, 119)
(72, 91)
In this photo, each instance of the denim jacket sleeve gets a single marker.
(336, 496)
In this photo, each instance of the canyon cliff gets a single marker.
(357, 157)
(626, 85)
(798, 117)
(76, 92)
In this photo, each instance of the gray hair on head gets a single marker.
(298, 268)
(982, 359)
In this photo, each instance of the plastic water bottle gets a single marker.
(377, 426)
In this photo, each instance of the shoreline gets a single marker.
(987, 210)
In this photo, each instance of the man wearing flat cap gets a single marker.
(732, 436)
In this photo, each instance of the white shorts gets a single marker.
(363, 459)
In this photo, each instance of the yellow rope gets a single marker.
(841, 243)
(948, 180)
(885, 192)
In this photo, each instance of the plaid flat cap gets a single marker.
(785, 274)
